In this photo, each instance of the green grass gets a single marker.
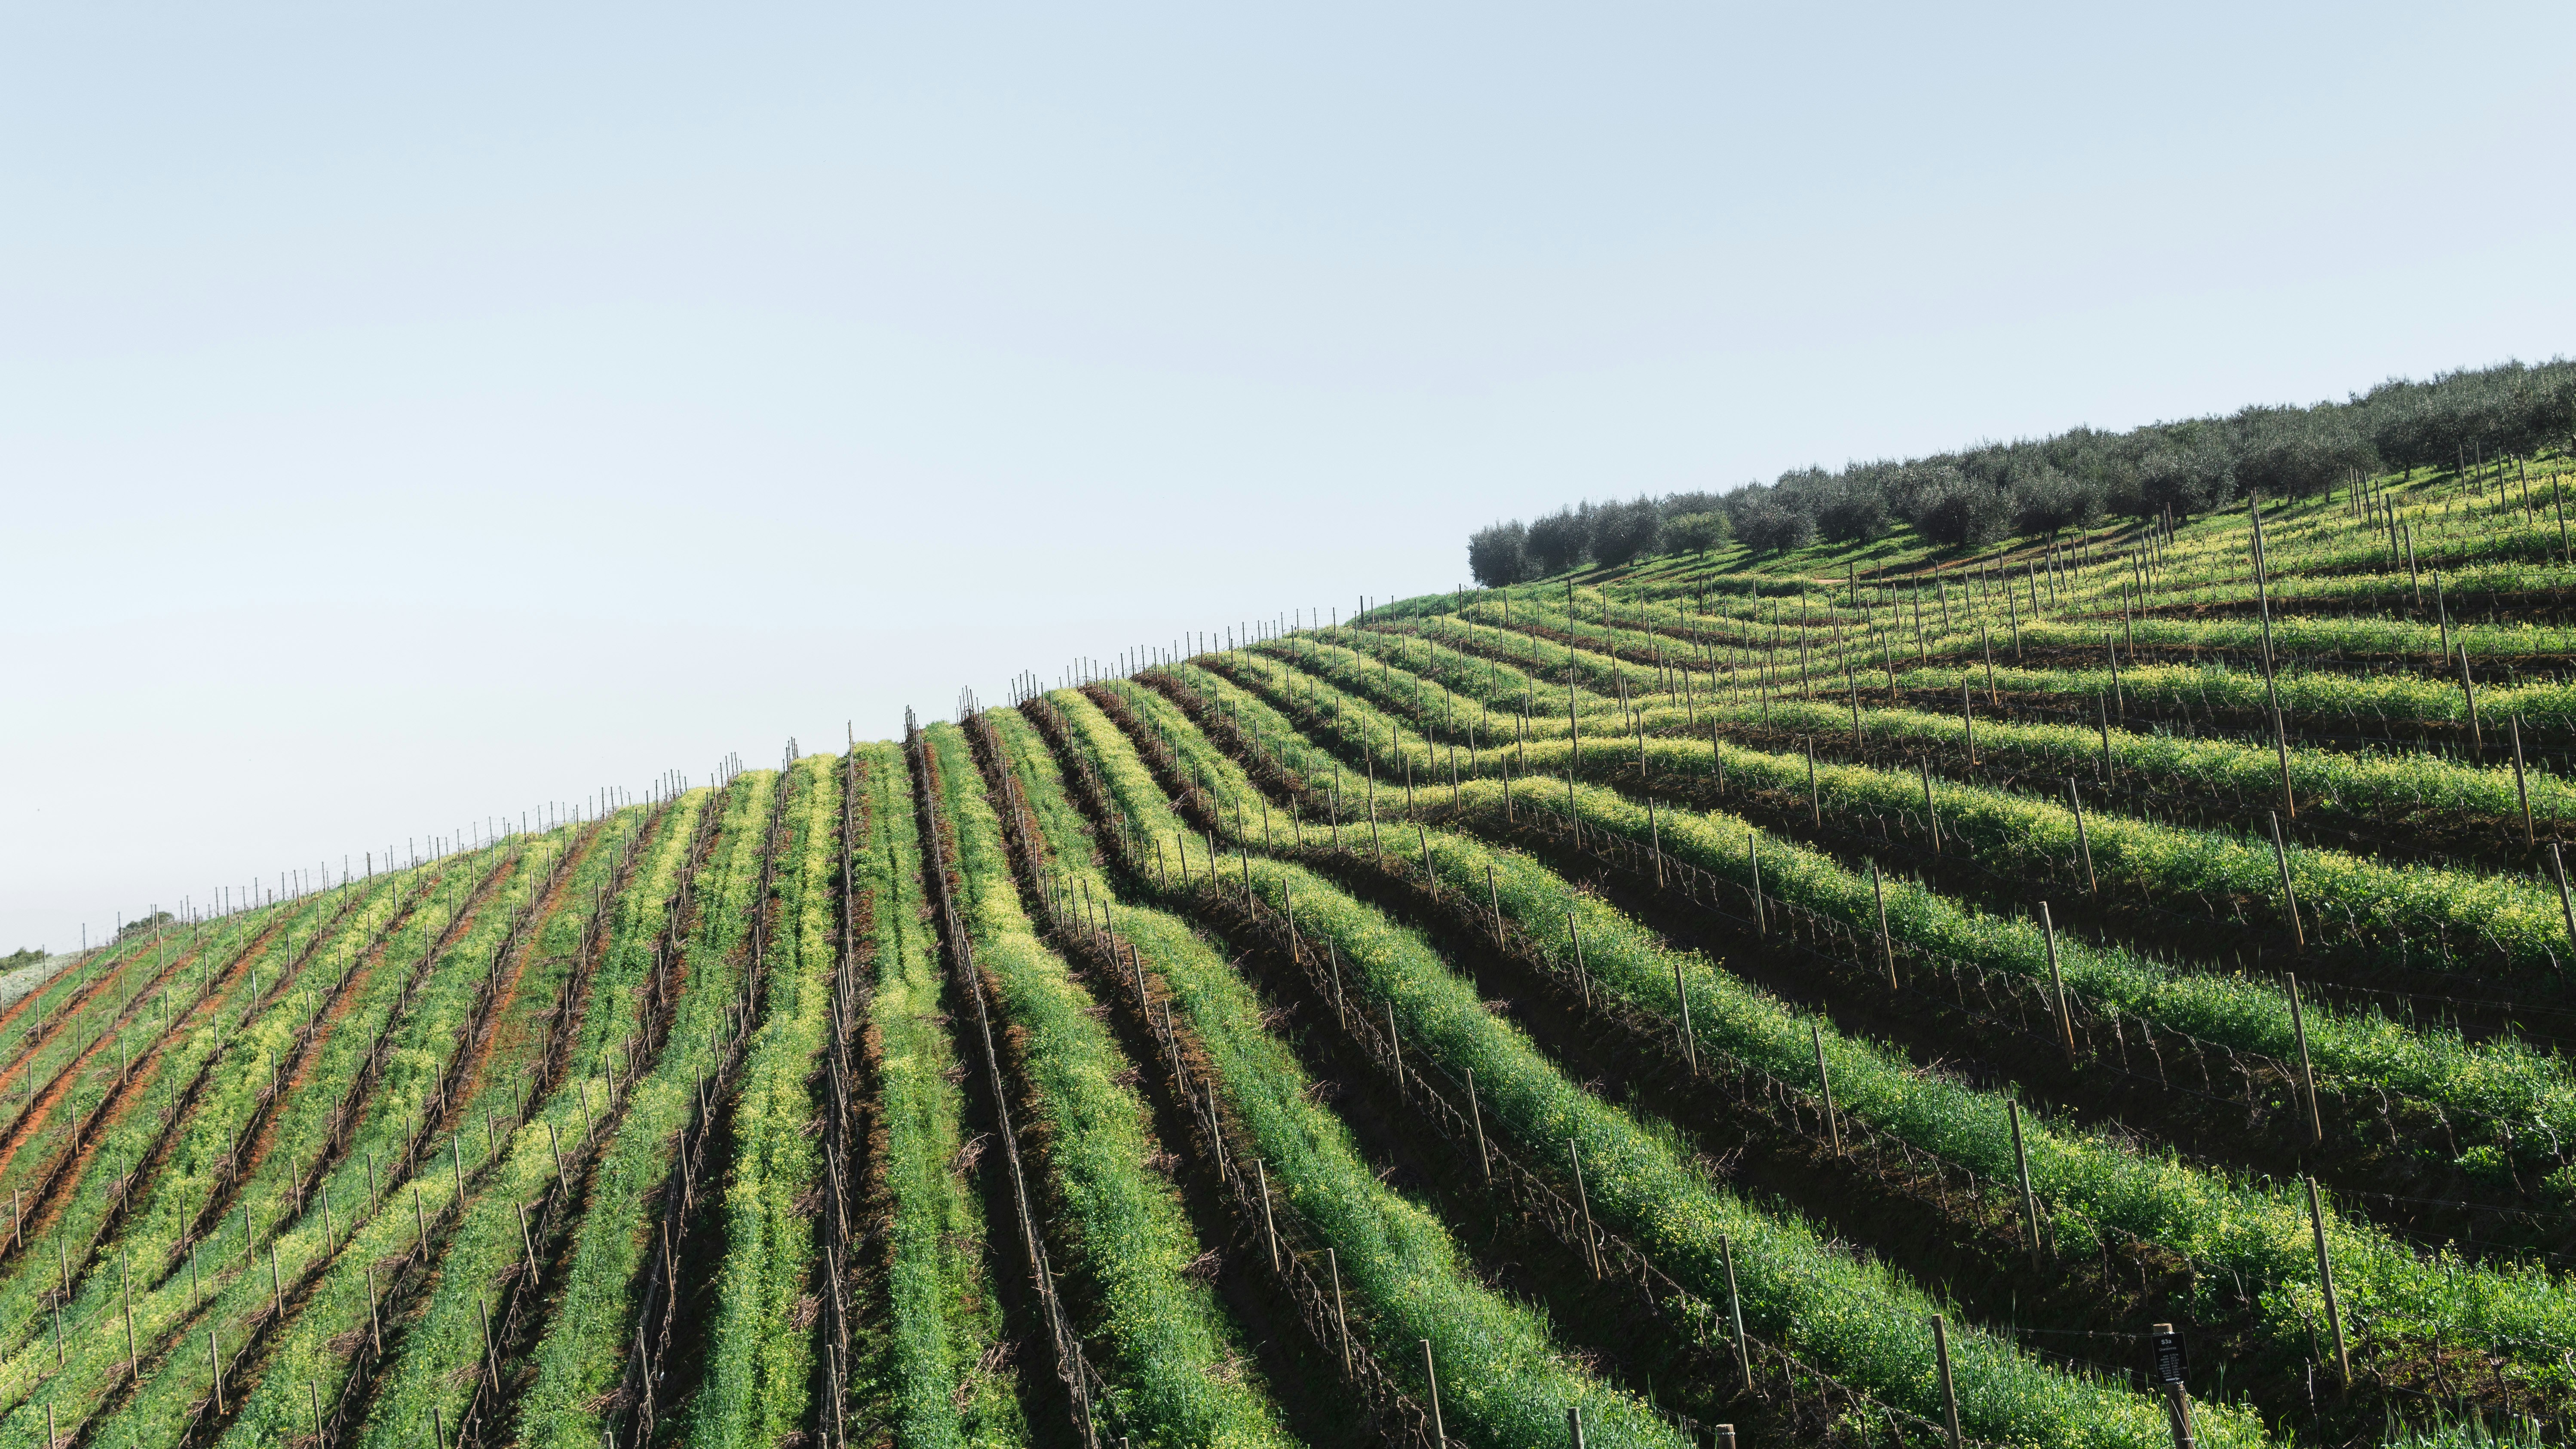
(760, 1362)
(941, 1318)
(2371, 787)
(1505, 1380)
(1862, 1321)
(1178, 1372)
(2505, 1080)
(2241, 1236)
(580, 1360)
(304, 1368)
(234, 1257)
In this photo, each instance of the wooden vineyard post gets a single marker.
(1476, 1115)
(1341, 1322)
(1431, 1381)
(2021, 1163)
(1574, 1426)
(1591, 1247)
(1725, 1435)
(1931, 813)
(1949, 1388)
(2083, 842)
(2325, 1279)
(2057, 984)
(2307, 1073)
(2566, 910)
(1735, 1312)
(2521, 793)
(1825, 1083)
(1269, 1228)
(2289, 893)
(2102, 708)
(1967, 727)
(1690, 1038)
(1886, 945)
(1986, 642)
(1494, 897)
(1753, 855)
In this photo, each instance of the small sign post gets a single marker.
(2168, 1367)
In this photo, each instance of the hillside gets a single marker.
(1848, 993)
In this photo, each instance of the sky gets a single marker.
(413, 414)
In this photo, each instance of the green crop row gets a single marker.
(303, 1375)
(431, 1360)
(68, 1017)
(1177, 1371)
(759, 1362)
(105, 1181)
(232, 1286)
(581, 1359)
(1504, 1379)
(233, 1037)
(1863, 1321)
(2504, 1080)
(2255, 1239)
(423, 1037)
(2387, 704)
(1483, 701)
(130, 1009)
(942, 1318)
(2413, 915)
(2298, 643)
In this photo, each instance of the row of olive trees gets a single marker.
(1597, 533)
(1997, 490)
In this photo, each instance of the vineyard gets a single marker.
(2100, 991)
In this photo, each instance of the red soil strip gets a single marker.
(576, 1007)
(72, 1009)
(48, 1201)
(37, 1118)
(479, 1054)
(344, 1000)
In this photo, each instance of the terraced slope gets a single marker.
(1848, 996)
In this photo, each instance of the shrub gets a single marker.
(1697, 532)
(1559, 541)
(2045, 500)
(1854, 514)
(1624, 532)
(1499, 554)
(1771, 527)
(1953, 509)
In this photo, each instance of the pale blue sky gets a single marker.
(410, 413)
